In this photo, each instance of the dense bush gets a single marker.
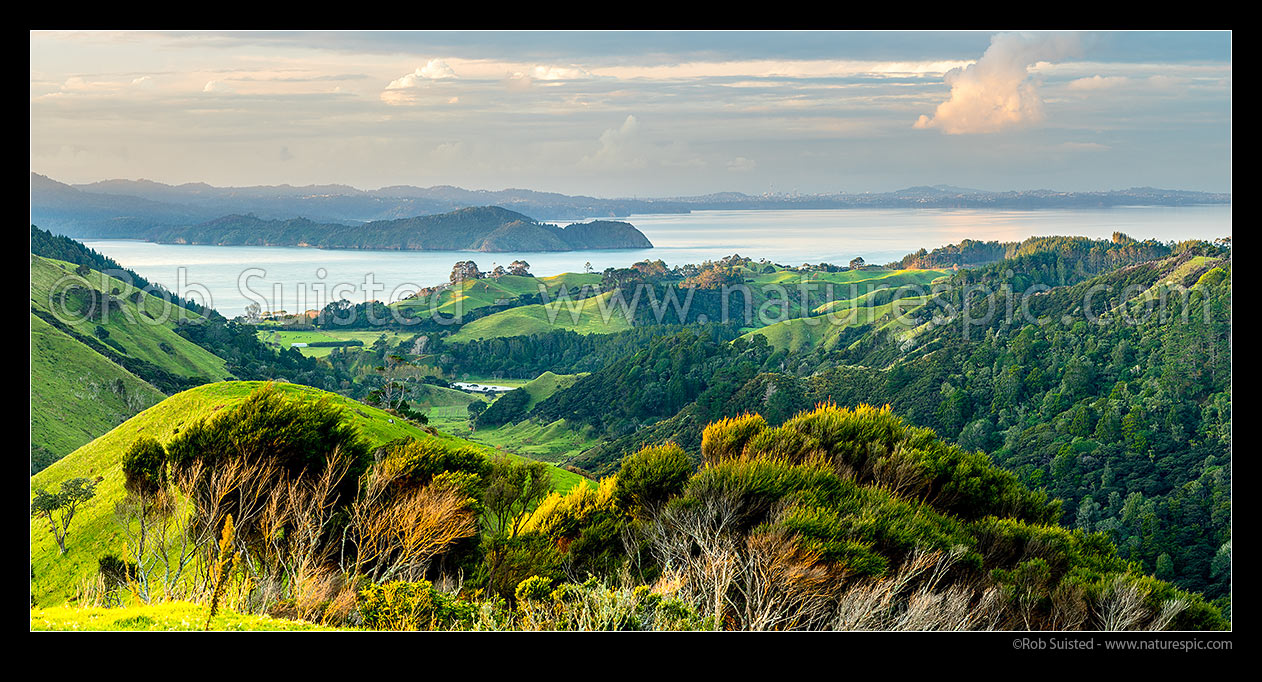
(413, 606)
(651, 476)
(145, 467)
(296, 435)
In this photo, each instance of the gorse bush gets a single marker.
(415, 463)
(872, 445)
(817, 523)
(651, 476)
(413, 606)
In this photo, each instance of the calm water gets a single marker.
(297, 279)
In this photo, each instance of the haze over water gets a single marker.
(789, 237)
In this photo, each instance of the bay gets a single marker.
(227, 278)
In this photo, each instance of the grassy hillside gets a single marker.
(94, 531)
(76, 393)
(826, 331)
(142, 328)
(585, 316)
(282, 339)
(489, 291)
(90, 371)
(544, 385)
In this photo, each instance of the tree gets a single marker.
(587, 267)
(476, 408)
(520, 267)
(59, 508)
(857, 263)
(253, 313)
(514, 489)
(465, 269)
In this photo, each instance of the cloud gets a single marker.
(618, 147)
(741, 164)
(1098, 83)
(216, 86)
(434, 69)
(554, 73)
(996, 92)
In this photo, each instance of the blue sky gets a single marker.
(637, 113)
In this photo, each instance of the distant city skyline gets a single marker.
(647, 114)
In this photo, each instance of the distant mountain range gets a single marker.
(135, 208)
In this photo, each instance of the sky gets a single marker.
(637, 114)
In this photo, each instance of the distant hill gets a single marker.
(129, 208)
(483, 228)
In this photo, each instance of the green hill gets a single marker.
(100, 352)
(585, 316)
(128, 322)
(543, 386)
(472, 294)
(827, 331)
(94, 531)
(76, 393)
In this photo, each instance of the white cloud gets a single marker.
(216, 86)
(1098, 82)
(554, 73)
(434, 69)
(741, 164)
(618, 147)
(996, 92)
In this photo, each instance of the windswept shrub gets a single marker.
(652, 476)
(534, 588)
(295, 435)
(415, 463)
(561, 517)
(145, 467)
(726, 438)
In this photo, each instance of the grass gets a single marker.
(73, 391)
(150, 337)
(94, 531)
(281, 338)
(166, 617)
(543, 386)
(826, 330)
(595, 315)
(489, 291)
(556, 442)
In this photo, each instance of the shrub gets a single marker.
(416, 463)
(144, 467)
(726, 438)
(413, 606)
(114, 571)
(652, 476)
(294, 434)
(534, 588)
